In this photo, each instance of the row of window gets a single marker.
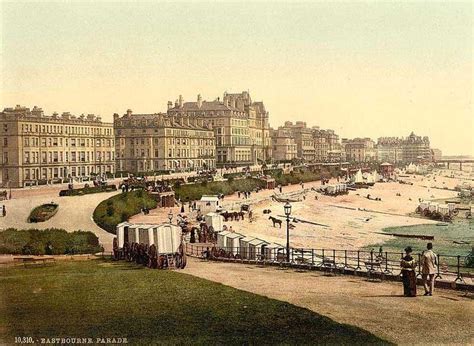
(80, 130)
(64, 172)
(172, 164)
(73, 142)
(59, 156)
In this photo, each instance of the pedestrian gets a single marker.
(4, 211)
(238, 194)
(279, 187)
(428, 269)
(408, 266)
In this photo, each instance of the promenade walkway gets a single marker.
(378, 307)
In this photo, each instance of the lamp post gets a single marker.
(287, 208)
(170, 216)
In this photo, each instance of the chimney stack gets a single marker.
(199, 101)
(180, 100)
(170, 105)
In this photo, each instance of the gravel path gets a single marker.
(75, 213)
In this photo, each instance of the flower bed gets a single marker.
(88, 190)
(43, 212)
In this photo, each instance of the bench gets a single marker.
(374, 267)
(35, 260)
(328, 263)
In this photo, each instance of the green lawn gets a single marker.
(119, 208)
(444, 237)
(110, 299)
(192, 192)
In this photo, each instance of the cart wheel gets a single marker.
(161, 262)
(177, 261)
(183, 261)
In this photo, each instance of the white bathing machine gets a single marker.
(443, 209)
(256, 248)
(232, 242)
(433, 207)
(166, 237)
(221, 239)
(208, 204)
(274, 252)
(215, 220)
(452, 207)
(244, 246)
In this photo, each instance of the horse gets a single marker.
(275, 221)
(226, 215)
(235, 215)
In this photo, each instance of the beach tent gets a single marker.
(358, 177)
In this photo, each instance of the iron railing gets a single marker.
(450, 268)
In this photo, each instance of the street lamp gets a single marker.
(170, 216)
(287, 208)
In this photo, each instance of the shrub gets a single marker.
(52, 241)
(470, 259)
(87, 190)
(110, 210)
(196, 191)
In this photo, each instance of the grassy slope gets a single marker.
(107, 299)
(193, 192)
(443, 238)
(124, 205)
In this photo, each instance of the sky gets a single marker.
(364, 69)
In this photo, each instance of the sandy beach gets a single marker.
(352, 221)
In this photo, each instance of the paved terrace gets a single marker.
(379, 307)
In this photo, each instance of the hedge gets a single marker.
(116, 209)
(50, 241)
(87, 190)
(43, 212)
(192, 192)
